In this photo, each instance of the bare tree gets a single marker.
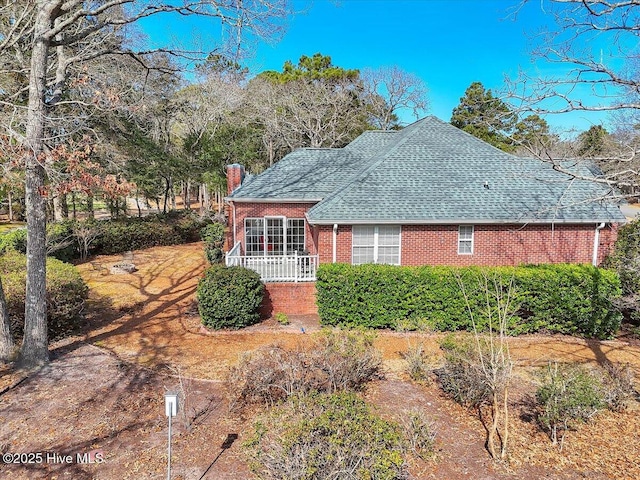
(263, 107)
(319, 114)
(390, 89)
(603, 79)
(51, 48)
(489, 368)
(7, 346)
(598, 80)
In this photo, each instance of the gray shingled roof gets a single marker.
(307, 174)
(371, 142)
(429, 172)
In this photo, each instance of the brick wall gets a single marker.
(259, 210)
(290, 298)
(438, 244)
(493, 244)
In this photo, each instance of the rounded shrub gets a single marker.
(188, 225)
(323, 436)
(229, 297)
(60, 241)
(66, 294)
(568, 395)
(14, 240)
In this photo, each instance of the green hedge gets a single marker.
(114, 236)
(570, 299)
(60, 241)
(14, 240)
(119, 236)
(66, 294)
(229, 297)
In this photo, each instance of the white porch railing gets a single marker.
(276, 268)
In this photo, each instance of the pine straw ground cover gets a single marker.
(103, 391)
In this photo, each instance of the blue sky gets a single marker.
(448, 43)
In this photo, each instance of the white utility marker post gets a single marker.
(171, 410)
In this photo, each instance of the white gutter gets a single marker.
(459, 221)
(335, 242)
(596, 244)
(273, 200)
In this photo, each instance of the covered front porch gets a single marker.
(294, 267)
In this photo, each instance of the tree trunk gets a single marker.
(205, 198)
(34, 350)
(493, 428)
(167, 186)
(50, 206)
(172, 193)
(270, 152)
(64, 206)
(186, 199)
(74, 213)
(7, 346)
(505, 430)
(90, 209)
(10, 205)
(57, 208)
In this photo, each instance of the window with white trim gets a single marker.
(465, 240)
(295, 235)
(254, 236)
(376, 244)
(274, 235)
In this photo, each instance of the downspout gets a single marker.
(596, 244)
(335, 242)
(233, 214)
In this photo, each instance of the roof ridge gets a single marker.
(403, 135)
(480, 141)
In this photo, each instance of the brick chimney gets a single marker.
(235, 176)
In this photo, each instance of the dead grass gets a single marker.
(104, 390)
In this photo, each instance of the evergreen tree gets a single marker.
(485, 117)
(532, 135)
(593, 142)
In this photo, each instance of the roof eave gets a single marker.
(271, 200)
(462, 221)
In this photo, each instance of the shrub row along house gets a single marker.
(429, 194)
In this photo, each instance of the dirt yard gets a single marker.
(101, 397)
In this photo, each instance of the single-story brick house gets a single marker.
(429, 194)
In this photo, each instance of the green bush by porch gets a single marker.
(563, 298)
(229, 297)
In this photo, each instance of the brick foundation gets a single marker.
(290, 298)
